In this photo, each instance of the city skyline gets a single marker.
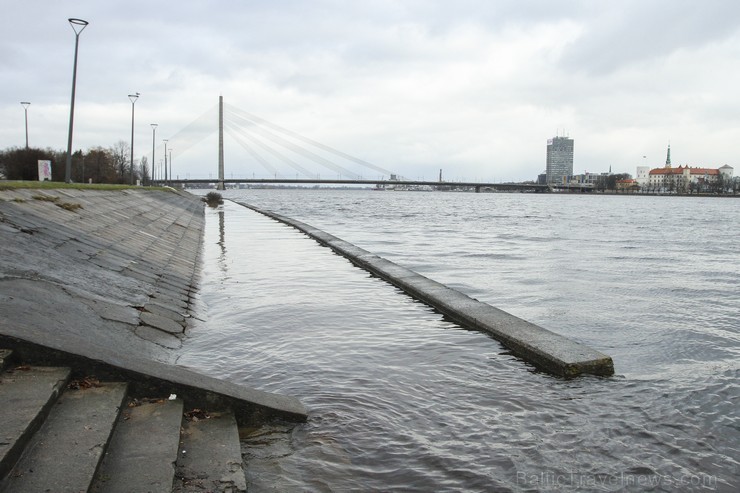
(473, 89)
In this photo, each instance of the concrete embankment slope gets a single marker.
(108, 277)
(543, 348)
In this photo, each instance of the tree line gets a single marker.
(100, 165)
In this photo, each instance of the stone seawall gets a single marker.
(108, 277)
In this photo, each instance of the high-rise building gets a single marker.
(559, 159)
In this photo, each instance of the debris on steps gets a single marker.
(5, 355)
(143, 449)
(210, 454)
(64, 434)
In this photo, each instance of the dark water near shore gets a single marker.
(402, 400)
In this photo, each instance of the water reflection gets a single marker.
(222, 262)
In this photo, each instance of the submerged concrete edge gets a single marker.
(150, 378)
(545, 349)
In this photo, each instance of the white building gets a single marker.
(727, 171)
(643, 175)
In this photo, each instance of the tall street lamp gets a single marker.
(165, 161)
(77, 26)
(170, 163)
(154, 133)
(133, 98)
(25, 105)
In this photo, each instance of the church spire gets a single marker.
(668, 157)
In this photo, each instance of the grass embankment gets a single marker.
(51, 185)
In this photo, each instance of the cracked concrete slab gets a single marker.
(158, 337)
(161, 323)
(161, 310)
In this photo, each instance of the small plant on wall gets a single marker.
(213, 199)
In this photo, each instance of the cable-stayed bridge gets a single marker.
(276, 149)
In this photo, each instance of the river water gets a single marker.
(401, 399)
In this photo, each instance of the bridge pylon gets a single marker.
(220, 143)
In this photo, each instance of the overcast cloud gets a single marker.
(473, 87)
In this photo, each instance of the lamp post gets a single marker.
(170, 163)
(133, 98)
(25, 105)
(154, 133)
(165, 161)
(78, 25)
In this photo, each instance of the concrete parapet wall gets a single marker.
(545, 349)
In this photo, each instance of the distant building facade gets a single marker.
(671, 179)
(559, 159)
(643, 175)
(686, 178)
(586, 178)
(727, 172)
(627, 185)
(683, 178)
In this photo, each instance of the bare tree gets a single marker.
(120, 152)
(144, 170)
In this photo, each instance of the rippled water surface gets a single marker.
(402, 400)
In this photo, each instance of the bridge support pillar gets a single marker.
(220, 143)
(477, 189)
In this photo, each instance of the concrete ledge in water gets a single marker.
(545, 349)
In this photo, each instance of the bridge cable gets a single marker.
(237, 137)
(195, 132)
(272, 151)
(307, 140)
(292, 146)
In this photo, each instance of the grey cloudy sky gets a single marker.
(473, 87)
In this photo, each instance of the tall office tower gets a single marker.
(559, 159)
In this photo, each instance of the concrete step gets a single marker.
(143, 450)
(66, 451)
(27, 395)
(210, 455)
